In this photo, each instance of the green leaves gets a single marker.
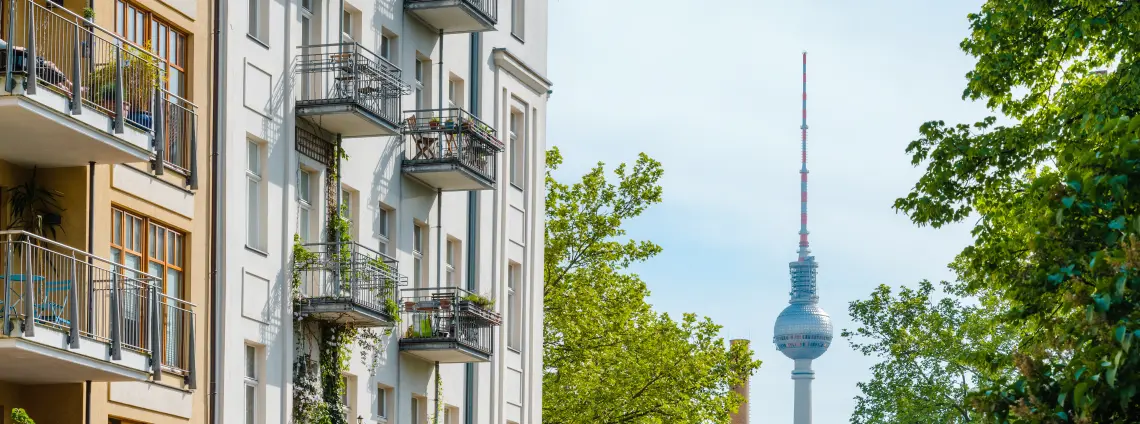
(609, 358)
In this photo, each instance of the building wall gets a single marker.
(259, 94)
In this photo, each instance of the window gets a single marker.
(383, 226)
(251, 383)
(255, 193)
(514, 305)
(258, 20)
(419, 406)
(455, 93)
(452, 254)
(348, 208)
(347, 27)
(518, 151)
(381, 402)
(418, 256)
(305, 205)
(133, 239)
(518, 18)
(421, 98)
(386, 47)
(345, 398)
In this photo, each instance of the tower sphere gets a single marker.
(803, 331)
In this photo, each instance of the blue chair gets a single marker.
(52, 312)
(16, 298)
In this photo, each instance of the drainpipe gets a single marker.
(90, 251)
(472, 233)
(216, 113)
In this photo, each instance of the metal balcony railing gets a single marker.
(348, 73)
(97, 69)
(435, 135)
(348, 273)
(448, 314)
(48, 284)
(489, 8)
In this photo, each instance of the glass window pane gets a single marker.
(253, 158)
(250, 362)
(136, 238)
(252, 213)
(382, 226)
(304, 224)
(175, 82)
(173, 283)
(117, 228)
(250, 403)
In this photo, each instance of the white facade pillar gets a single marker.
(803, 375)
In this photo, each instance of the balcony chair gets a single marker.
(424, 145)
(50, 311)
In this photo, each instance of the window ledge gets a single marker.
(257, 251)
(518, 187)
(257, 40)
(517, 37)
(515, 350)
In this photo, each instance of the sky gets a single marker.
(712, 90)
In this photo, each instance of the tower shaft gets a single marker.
(804, 251)
(803, 375)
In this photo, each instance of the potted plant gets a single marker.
(89, 14)
(465, 124)
(434, 122)
(409, 305)
(449, 124)
(473, 299)
(19, 416)
(141, 83)
(35, 208)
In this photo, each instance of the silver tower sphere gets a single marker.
(803, 330)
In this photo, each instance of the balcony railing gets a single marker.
(450, 136)
(453, 16)
(333, 76)
(97, 69)
(53, 286)
(448, 324)
(347, 282)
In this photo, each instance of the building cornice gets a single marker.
(506, 60)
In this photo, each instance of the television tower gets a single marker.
(803, 330)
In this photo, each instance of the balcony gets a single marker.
(76, 93)
(456, 16)
(67, 317)
(447, 325)
(348, 90)
(347, 283)
(450, 149)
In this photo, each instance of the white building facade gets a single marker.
(441, 182)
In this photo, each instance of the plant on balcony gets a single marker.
(35, 208)
(89, 14)
(433, 122)
(141, 81)
(19, 416)
(479, 301)
(449, 124)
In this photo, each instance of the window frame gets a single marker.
(382, 402)
(514, 307)
(144, 245)
(251, 382)
(305, 204)
(386, 46)
(420, 88)
(384, 228)
(516, 129)
(518, 19)
(418, 257)
(454, 248)
(256, 233)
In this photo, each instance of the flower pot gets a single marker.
(433, 125)
(449, 125)
(409, 306)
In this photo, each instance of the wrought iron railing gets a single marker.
(348, 273)
(489, 8)
(447, 135)
(349, 73)
(449, 314)
(98, 69)
(49, 284)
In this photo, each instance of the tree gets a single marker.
(1058, 201)
(933, 351)
(609, 357)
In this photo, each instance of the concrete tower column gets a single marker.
(803, 375)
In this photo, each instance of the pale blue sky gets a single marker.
(711, 89)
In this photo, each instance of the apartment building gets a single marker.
(381, 210)
(105, 210)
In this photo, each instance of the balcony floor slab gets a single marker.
(46, 359)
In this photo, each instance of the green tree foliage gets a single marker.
(609, 357)
(1058, 200)
(933, 351)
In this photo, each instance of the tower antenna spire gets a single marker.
(804, 251)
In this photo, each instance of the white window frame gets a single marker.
(418, 262)
(384, 228)
(453, 251)
(258, 21)
(348, 200)
(386, 43)
(252, 383)
(516, 128)
(514, 306)
(256, 231)
(347, 19)
(518, 19)
(305, 205)
(421, 97)
(382, 402)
